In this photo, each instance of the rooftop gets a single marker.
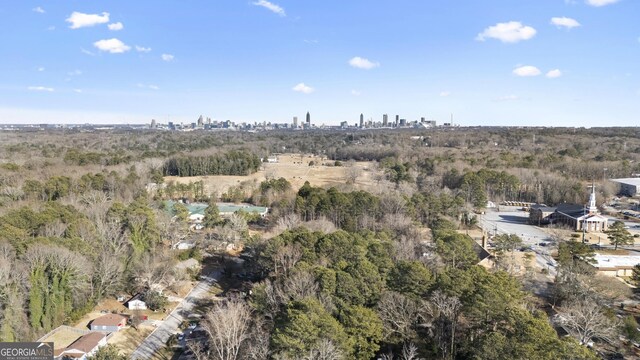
(224, 208)
(86, 343)
(628, 181)
(616, 261)
(108, 320)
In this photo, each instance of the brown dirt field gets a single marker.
(290, 167)
(127, 340)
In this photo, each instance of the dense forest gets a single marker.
(231, 163)
(341, 272)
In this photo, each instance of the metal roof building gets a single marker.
(628, 186)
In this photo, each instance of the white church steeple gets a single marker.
(593, 209)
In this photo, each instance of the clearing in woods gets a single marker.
(294, 168)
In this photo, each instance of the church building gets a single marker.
(577, 217)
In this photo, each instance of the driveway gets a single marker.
(515, 222)
(158, 338)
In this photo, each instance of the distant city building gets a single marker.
(295, 122)
(153, 123)
(397, 120)
(385, 120)
(344, 124)
(403, 122)
(308, 119)
(361, 120)
(200, 121)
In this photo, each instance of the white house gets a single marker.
(136, 303)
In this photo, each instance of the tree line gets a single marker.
(230, 163)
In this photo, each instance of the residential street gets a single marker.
(515, 222)
(158, 338)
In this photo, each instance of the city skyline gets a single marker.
(547, 63)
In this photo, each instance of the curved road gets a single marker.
(158, 338)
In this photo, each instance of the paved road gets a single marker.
(515, 222)
(158, 338)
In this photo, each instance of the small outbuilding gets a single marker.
(136, 303)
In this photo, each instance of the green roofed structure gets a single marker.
(225, 209)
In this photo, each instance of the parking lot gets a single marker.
(515, 222)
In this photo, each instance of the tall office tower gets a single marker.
(153, 123)
(200, 121)
(385, 120)
(421, 119)
(361, 120)
(397, 120)
(295, 122)
(308, 119)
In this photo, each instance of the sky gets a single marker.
(489, 62)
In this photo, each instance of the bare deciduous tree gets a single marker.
(320, 224)
(54, 229)
(398, 314)
(409, 352)
(325, 350)
(299, 285)
(444, 311)
(155, 272)
(258, 347)
(352, 172)
(286, 258)
(584, 319)
(289, 221)
(227, 328)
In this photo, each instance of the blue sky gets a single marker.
(489, 62)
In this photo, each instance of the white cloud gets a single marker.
(271, 6)
(40, 88)
(38, 9)
(151, 87)
(115, 26)
(80, 20)
(565, 22)
(75, 73)
(527, 70)
(41, 68)
(445, 93)
(113, 46)
(553, 74)
(355, 93)
(598, 3)
(311, 41)
(79, 91)
(303, 88)
(143, 49)
(509, 32)
(508, 98)
(167, 57)
(362, 63)
(51, 28)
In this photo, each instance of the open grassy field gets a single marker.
(294, 168)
